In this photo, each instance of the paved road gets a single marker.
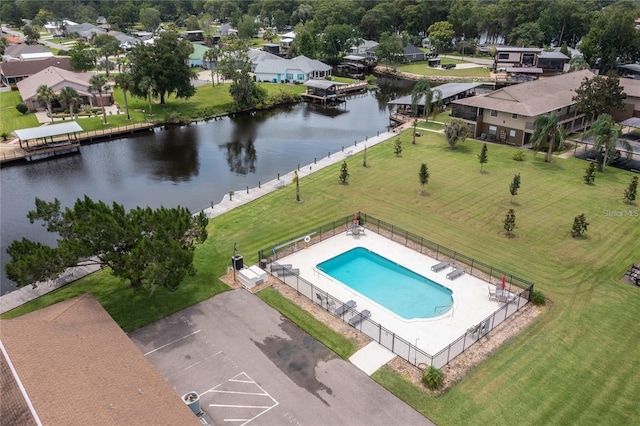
(252, 366)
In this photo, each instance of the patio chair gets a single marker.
(358, 318)
(493, 292)
(440, 266)
(344, 308)
(455, 274)
(320, 299)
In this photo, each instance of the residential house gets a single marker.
(629, 71)
(14, 71)
(412, 53)
(257, 56)
(507, 114)
(536, 60)
(445, 94)
(57, 79)
(58, 27)
(13, 51)
(70, 363)
(631, 87)
(286, 40)
(363, 47)
(85, 31)
(296, 70)
(196, 59)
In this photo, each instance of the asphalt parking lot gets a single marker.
(252, 366)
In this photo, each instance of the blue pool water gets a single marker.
(404, 292)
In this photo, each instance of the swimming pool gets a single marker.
(396, 288)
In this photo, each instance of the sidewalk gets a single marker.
(240, 197)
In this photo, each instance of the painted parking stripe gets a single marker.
(171, 343)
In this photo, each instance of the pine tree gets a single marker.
(424, 175)
(631, 191)
(482, 157)
(515, 185)
(580, 225)
(344, 172)
(590, 175)
(397, 147)
(510, 222)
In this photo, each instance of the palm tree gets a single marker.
(147, 85)
(98, 83)
(69, 96)
(211, 56)
(124, 81)
(421, 90)
(547, 132)
(45, 94)
(608, 135)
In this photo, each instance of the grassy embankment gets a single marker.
(577, 364)
(421, 68)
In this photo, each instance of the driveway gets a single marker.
(250, 365)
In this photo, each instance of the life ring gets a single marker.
(307, 239)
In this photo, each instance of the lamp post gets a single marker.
(144, 116)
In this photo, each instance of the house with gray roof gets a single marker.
(507, 114)
(296, 70)
(13, 51)
(86, 31)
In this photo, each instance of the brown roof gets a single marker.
(631, 87)
(533, 98)
(79, 367)
(56, 79)
(27, 68)
(13, 408)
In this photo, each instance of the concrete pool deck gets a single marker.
(471, 303)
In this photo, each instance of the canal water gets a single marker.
(190, 166)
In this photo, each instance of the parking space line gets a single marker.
(171, 343)
(241, 393)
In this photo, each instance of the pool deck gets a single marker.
(471, 302)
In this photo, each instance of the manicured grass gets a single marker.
(421, 68)
(11, 118)
(577, 364)
(341, 346)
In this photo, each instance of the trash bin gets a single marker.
(237, 262)
(263, 264)
(192, 399)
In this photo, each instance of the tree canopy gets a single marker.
(166, 63)
(598, 95)
(145, 247)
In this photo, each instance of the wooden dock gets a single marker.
(63, 146)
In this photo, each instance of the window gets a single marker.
(494, 113)
(493, 130)
(514, 116)
(512, 133)
(503, 56)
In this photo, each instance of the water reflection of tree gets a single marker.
(389, 89)
(241, 150)
(175, 155)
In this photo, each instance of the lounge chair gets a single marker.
(344, 308)
(455, 274)
(320, 299)
(359, 318)
(440, 266)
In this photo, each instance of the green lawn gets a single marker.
(10, 118)
(421, 68)
(576, 364)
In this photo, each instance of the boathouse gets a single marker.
(401, 107)
(46, 141)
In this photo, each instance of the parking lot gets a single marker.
(252, 366)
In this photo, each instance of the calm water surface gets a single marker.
(189, 166)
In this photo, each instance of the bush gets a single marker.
(518, 156)
(432, 378)
(22, 108)
(14, 87)
(537, 298)
(4, 136)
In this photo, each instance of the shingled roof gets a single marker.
(28, 68)
(78, 367)
(56, 79)
(533, 98)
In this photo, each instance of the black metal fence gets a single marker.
(387, 338)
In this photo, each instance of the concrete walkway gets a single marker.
(240, 197)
